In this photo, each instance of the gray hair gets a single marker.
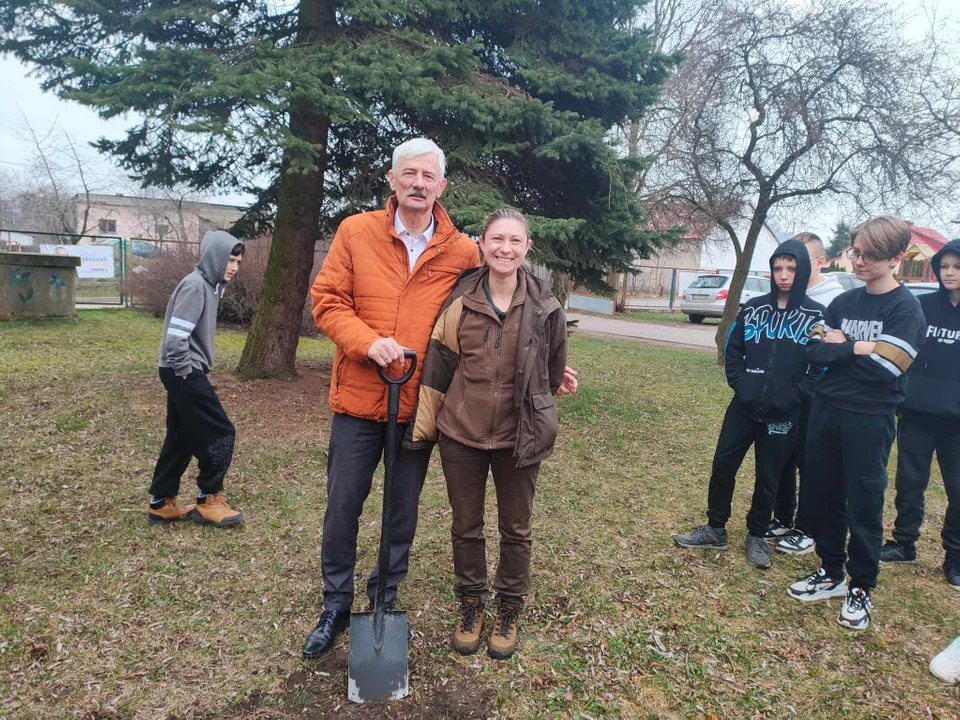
(416, 148)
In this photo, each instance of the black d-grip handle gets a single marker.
(393, 384)
(410, 355)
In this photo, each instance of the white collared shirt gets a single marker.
(416, 244)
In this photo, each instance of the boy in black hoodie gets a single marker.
(867, 343)
(930, 420)
(765, 364)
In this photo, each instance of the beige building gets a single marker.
(158, 219)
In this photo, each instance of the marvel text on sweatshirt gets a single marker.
(871, 384)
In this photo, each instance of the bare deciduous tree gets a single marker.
(782, 102)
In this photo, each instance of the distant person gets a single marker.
(766, 364)
(791, 534)
(930, 421)
(60, 251)
(868, 342)
(197, 425)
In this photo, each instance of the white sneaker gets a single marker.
(796, 543)
(946, 665)
(855, 613)
(817, 586)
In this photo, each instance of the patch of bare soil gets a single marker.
(319, 693)
(262, 410)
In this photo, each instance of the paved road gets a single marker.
(689, 335)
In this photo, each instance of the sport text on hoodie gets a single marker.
(191, 318)
(870, 384)
(933, 386)
(765, 354)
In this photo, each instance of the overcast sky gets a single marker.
(22, 101)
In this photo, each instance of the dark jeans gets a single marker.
(787, 505)
(197, 427)
(466, 469)
(772, 443)
(916, 443)
(846, 471)
(356, 446)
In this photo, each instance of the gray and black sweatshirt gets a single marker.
(191, 319)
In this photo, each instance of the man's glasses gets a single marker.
(868, 258)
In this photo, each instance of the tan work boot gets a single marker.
(503, 640)
(466, 638)
(166, 511)
(213, 510)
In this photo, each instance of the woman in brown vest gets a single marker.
(493, 368)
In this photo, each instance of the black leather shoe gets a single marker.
(321, 640)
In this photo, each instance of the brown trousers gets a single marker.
(466, 469)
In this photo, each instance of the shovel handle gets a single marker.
(389, 456)
(410, 355)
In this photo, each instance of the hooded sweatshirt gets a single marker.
(933, 385)
(191, 318)
(825, 291)
(765, 354)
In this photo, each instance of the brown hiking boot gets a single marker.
(166, 511)
(213, 510)
(466, 638)
(503, 640)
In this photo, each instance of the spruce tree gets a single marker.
(314, 96)
(840, 239)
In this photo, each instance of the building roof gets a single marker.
(133, 200)
(927, 237)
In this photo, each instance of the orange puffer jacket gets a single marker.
(366, 291)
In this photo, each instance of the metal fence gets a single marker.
(659, 287)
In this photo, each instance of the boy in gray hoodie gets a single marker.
(197, 425)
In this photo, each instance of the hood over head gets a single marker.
(214, 255)
(952, 246)
(798, 251)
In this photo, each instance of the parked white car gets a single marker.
(922, 288)
(847, 280)
(707, 295)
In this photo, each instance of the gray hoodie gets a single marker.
(191, 319)
(826, 290)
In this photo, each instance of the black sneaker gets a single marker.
(894, 552)
(951, 571)
(777, 529)
(703, 537)
(758, 552)
(818, 586)
(855, 613)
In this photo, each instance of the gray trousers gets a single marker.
(356, 446)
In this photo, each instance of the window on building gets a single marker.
(163, 229)
(108, 226)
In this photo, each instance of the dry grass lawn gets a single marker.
(104, 616)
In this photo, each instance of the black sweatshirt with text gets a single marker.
(933, 385)
(765, 359)
(870, 384)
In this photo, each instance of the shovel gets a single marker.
(378, 640)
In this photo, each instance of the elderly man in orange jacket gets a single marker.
(381, 287)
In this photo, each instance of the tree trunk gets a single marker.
(271, 347)
(739, 279)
